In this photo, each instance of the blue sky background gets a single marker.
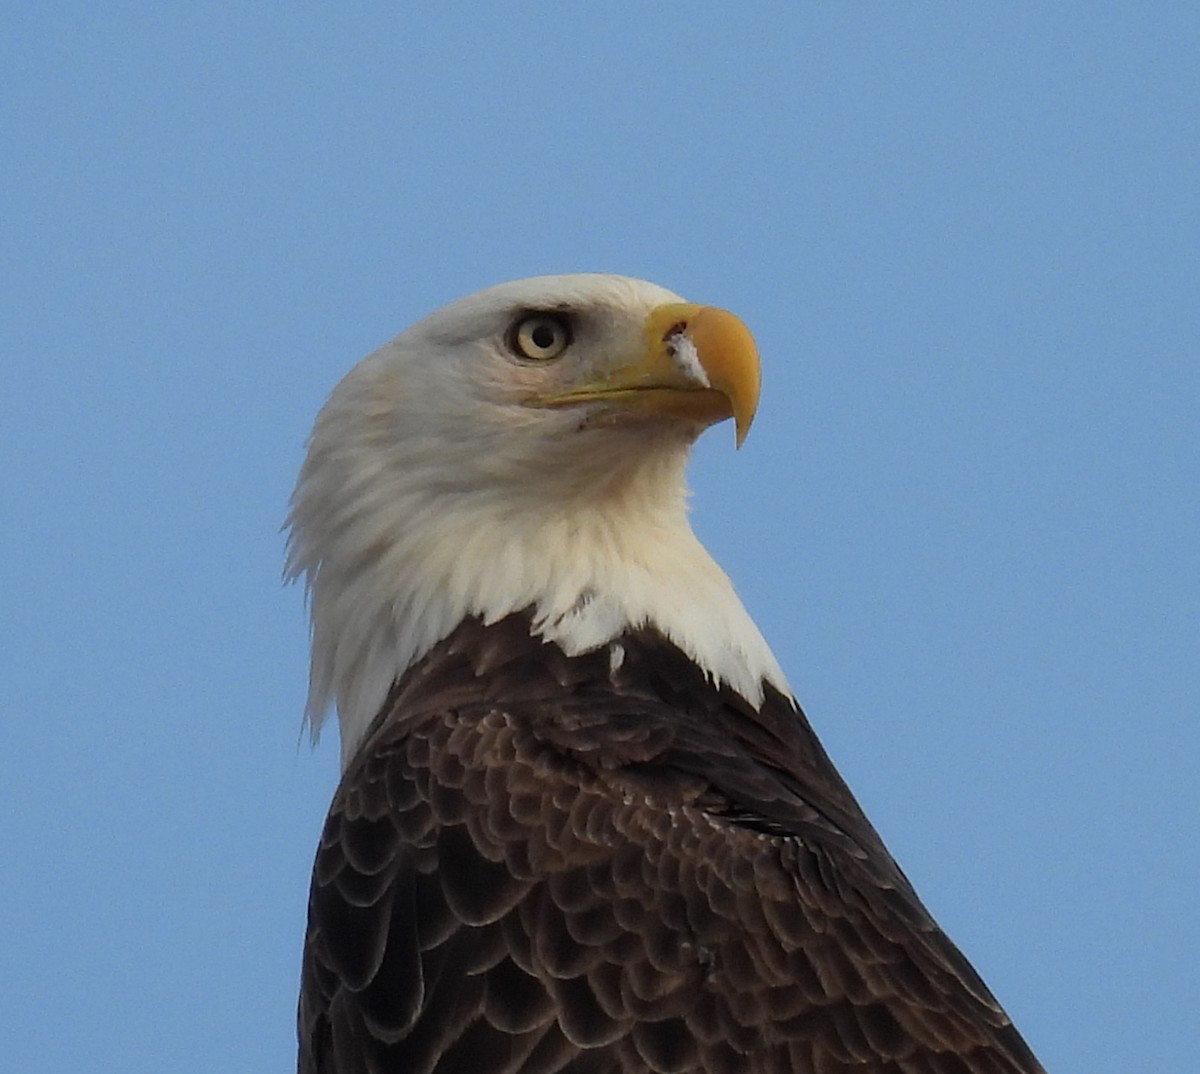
(968, 240)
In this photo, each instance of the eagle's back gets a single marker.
(540, 863)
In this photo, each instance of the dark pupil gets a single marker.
(543, 337)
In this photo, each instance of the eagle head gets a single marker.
(522, 448)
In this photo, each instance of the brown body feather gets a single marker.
(539, 863)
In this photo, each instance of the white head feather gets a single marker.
(433, 491)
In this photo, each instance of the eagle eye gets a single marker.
(540, 336)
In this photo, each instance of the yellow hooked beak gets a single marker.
(699, 362)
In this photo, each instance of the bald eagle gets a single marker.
(583, 826)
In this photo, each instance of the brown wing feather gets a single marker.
(539, 864)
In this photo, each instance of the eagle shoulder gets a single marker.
(540, 863)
